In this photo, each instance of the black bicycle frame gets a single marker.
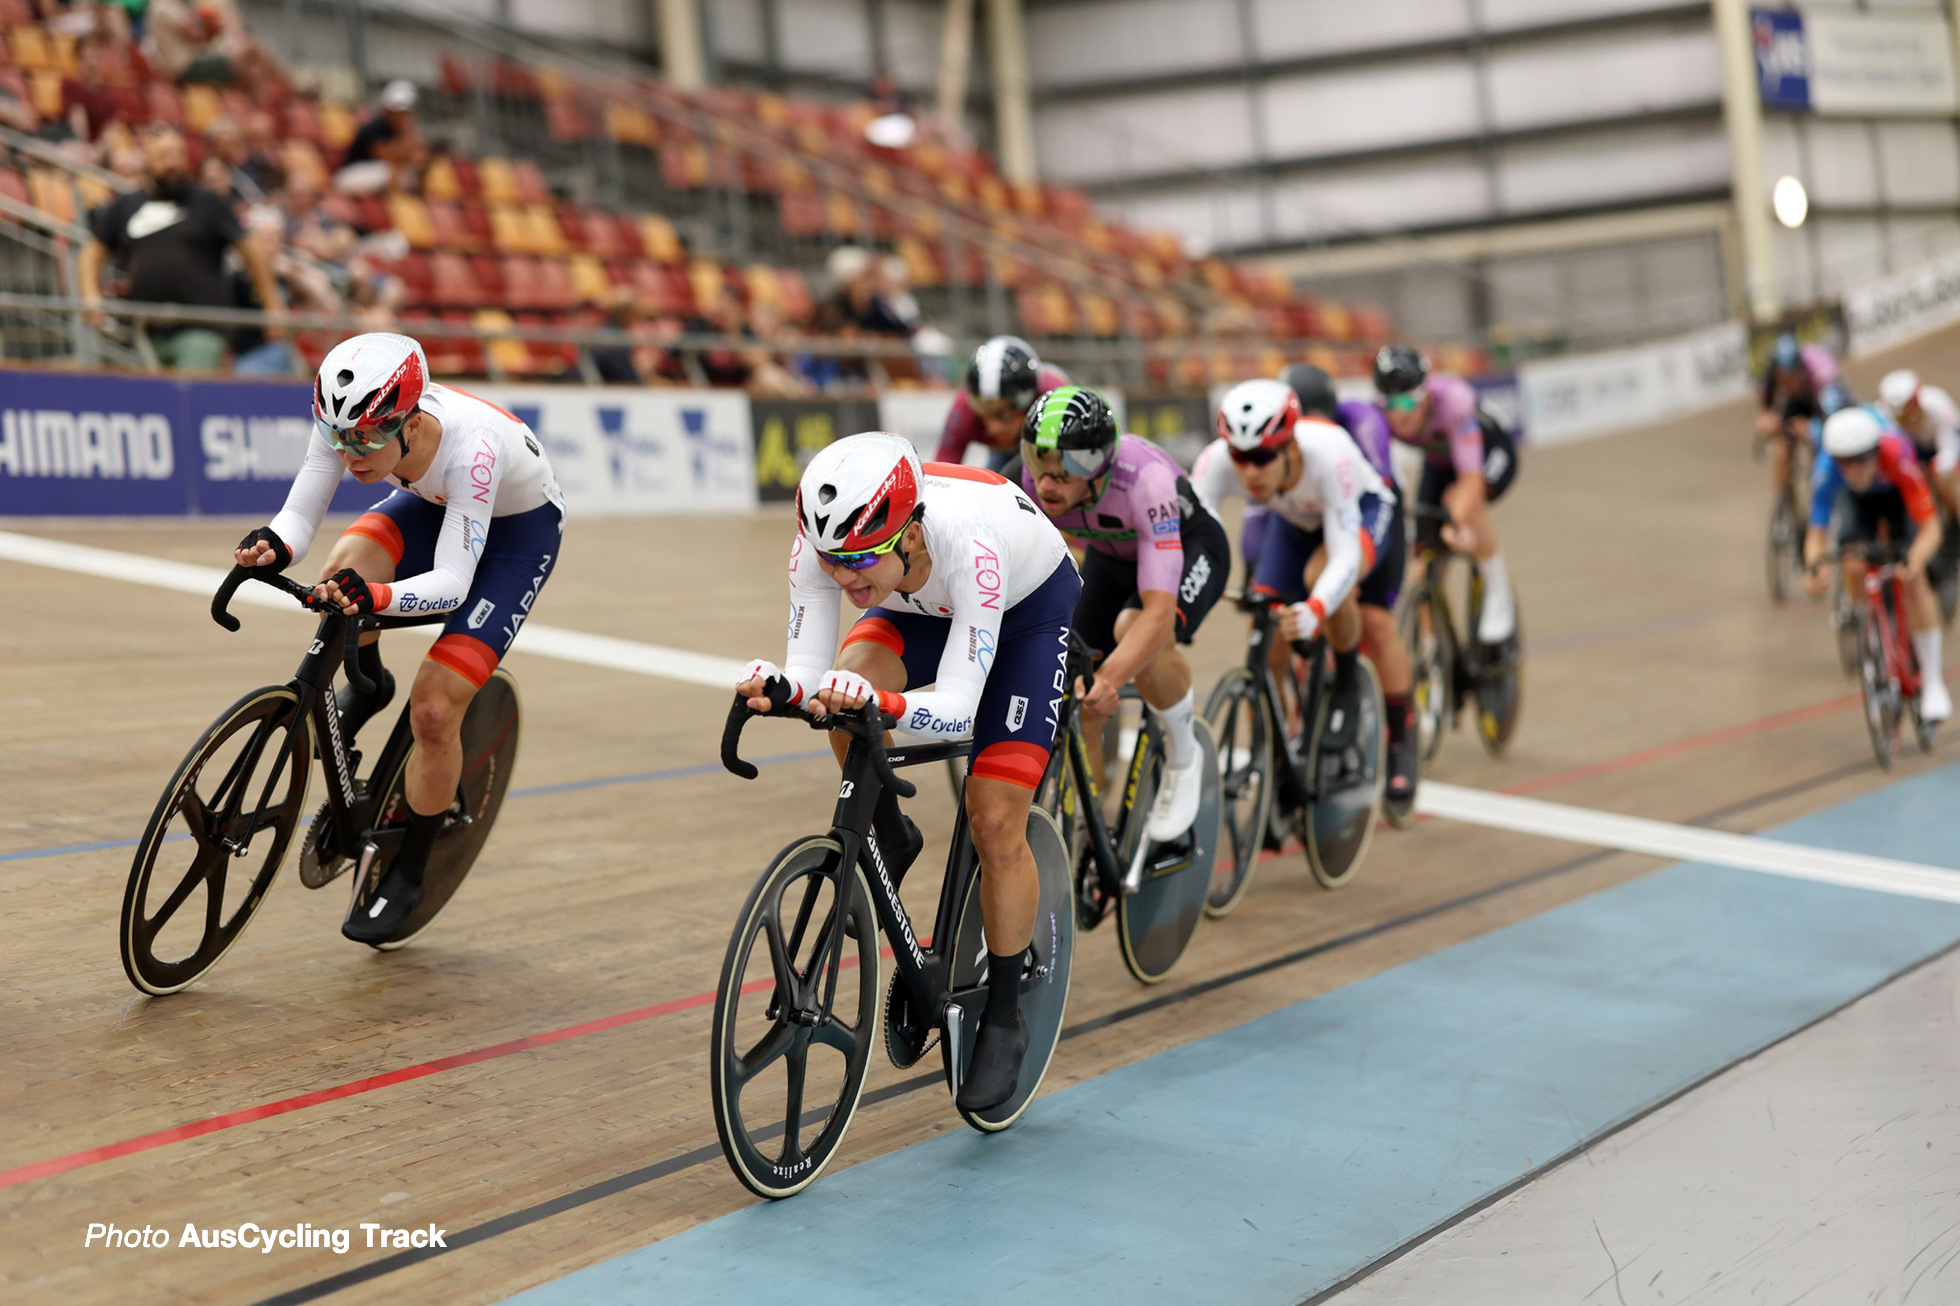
(1294, 786)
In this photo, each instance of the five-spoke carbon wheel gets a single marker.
(215, 841)
(796, 1017)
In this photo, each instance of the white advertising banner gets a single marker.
(629, 452)
(1894, 309)
(1862, 63)
(1597, 394)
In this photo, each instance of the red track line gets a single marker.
(264, 1111)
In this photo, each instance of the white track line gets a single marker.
(539, 639)
(1638, 835)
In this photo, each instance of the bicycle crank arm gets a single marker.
(961, 1007)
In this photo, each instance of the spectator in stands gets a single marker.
(385, 148)
(863, 293)
(88, 103)
(309, 228)
(208, 43)
(172, 236)
(230, 166)
(254, 353)
(629, 362)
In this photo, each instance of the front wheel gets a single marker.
(1432, 693)
(796, 1015)
(1239, 721)
(254, 763)
(1880, 695)
(1784, 560)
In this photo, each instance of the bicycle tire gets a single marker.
(490, 733)
(1875, 688)
(1431, 688)
(1044, 995)
(1340, 824)
(268, 712)
(731, 1072)
(1784, 559)
(1844, 620)
(1155, 924)
(1245, 784)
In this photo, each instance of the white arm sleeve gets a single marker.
(1213, 479)
(1340, 530)
(306, 503)
(946, 710)
(813, 601)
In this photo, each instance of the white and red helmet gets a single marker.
(1898, 390)
(1258, 415)
(369, 384)
(859, 492)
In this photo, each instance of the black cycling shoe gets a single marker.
(998, 1051)
(1403, 766)
(357, 709)
(1343, 721)
(379, 917)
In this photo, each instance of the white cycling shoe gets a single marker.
(1178, 792)
(1935, 704)
(1499, 619)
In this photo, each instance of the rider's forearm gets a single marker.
(1925, 544)
(1813, 546)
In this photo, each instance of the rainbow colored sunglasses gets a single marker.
(859, 559)
(351, 441)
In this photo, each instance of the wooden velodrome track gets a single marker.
(1661, 683)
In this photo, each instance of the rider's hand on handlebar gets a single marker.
(841, 691)
(344, 590)
(1813, 580)
(1767, 423)
(1099, 696)
(1298, 621)
(754, 684)
(263, 548)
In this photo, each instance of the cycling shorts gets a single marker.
(1286, 550)
(518, 555)
(1109, 584)
(1500, 469)
(1021, 704)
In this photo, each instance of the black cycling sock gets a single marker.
(1346, 668)
(1397, 708)
(368, 658)
(413, 855)
(1003, 985)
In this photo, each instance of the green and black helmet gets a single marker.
(1069, 431)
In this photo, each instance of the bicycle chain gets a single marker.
(312, 873)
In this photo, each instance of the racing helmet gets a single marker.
(1314, 387)
(1258, 415)
(366, 388)
(1852, 433)
(1399, 369)
(1004, 368)
(1898, 389)
(1074, 422)
(859, 492)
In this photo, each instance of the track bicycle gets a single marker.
(1157, 890)
(797, 1005)
(1273, 775)
(1888, 669)
(1784, 558)
(254, 763)
(1450, 669)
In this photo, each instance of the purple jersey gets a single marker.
(1138, 515)
(1453, 434)
(1369, 427)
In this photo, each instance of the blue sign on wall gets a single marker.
(1782, 58)
(73, 444)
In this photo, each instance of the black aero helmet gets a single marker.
(1314, 387)
(1399, 369)
(1074, 423)
(1004, 368)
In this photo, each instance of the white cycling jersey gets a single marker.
(991, 547)
(1942, 416)
(488, 465)
(1334, 474)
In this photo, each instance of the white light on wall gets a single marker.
(1789, 202)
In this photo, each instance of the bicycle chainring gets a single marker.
(907, 1036)
(319, 863)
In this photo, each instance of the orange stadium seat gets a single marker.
(498, 181)
(531, 187)
(408, 215)
(658, 240)
(201, 107)
(337, 126)
(51, 193)
(799, 305)
(44, 93)
(508, 231)
(542, 229)
(510, 356)
(705, 277)
(31, 48)
(439, 180)
(590, 281)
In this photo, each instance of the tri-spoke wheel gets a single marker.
(215, 841)
(796, 1016)
(1245, 767)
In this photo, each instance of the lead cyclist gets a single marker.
(966, 586)
(475, 521)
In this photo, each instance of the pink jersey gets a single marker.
(1453, 433)
(1139, 516)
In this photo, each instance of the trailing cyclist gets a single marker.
(1002, 383)
(966, 586)
(1886, 496)
(1156, 562)
(1926, 415)
(1469, 462)
(1332, 518)
(472, 528)
(1379, 591)
(1800, 386)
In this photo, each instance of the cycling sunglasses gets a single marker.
(1259, 457)
(1064, 464)
(361, 439)
(859, 559)
(1405, 402)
